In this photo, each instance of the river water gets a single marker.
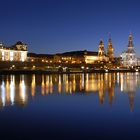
(73, 106)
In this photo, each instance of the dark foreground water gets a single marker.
(76, 106)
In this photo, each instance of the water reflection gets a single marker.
(17, 89)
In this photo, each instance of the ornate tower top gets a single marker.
(130, 45)
(101, 51)
(110, 50)
(110, 46)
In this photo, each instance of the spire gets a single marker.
(110, 49)
(130, 44)
(101, 50)
(109, 35)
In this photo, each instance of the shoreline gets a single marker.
(7, 72)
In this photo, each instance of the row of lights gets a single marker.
(32, 60)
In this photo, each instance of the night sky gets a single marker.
(52, 26)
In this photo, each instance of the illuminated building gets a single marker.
(101, 51)
(78, 57)
(91, 57)
(129, 57)
(94, 57)
(110, 50)
(44, 58)
(17, 52)
(75, 57)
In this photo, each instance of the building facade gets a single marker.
(97, 57)
(17, 52)
(129, 56)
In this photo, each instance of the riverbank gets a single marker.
(64, 72)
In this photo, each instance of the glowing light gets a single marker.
(12, 89)
(22, 87)
(47, 84)
(74, 83)
(82, 67)
(83, 81)
(13, 66)
(3, 93)
(3, 55)
(122, 82)
(51, 84)
(33, 86)
(106, 70)
(43, 86)
(59, 84)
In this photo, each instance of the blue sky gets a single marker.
(51, 26)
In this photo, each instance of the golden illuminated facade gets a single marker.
(101, 52)
(110, 50)
(17, 52)
(91, 57)
(73, 57)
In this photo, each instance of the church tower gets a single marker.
(129, 56)
(101, 51)
(130, 45)
(110, 50)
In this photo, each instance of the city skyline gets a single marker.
(60, 26)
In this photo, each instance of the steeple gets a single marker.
(101, 51)
(110, 50)
(130, 44)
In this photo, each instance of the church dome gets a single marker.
(19, 43)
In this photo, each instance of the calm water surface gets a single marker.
(75, 106)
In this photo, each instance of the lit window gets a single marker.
(11, 56)
(22, 57)
(3, 56)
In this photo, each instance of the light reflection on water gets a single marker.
(16, 89)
